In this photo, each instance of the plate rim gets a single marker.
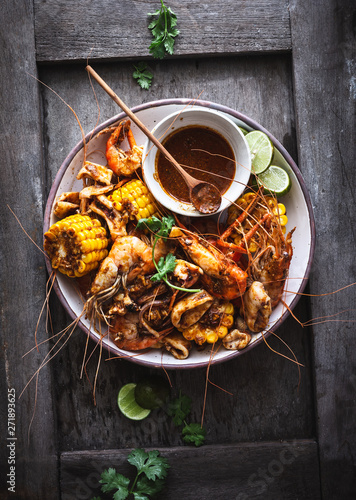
(250, 122)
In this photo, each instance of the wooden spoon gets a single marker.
(205, 197)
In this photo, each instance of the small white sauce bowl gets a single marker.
(205, 118)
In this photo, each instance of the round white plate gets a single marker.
(297, 202)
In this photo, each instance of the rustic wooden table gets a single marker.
(289, 66)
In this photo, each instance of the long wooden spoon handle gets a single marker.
(133, 117)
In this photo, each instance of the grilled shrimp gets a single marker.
(123, 162)
(128, 255)
(271, 265)
(222, 277)
(127, 333)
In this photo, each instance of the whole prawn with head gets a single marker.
(123, 163)
(222, 277)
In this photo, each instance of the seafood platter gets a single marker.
(160, 287)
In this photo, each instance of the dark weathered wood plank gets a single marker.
(22, 268)
(265, 401)
(285, 470)
(324, 55)
(68, 31)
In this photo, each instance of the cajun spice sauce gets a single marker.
(191, 146)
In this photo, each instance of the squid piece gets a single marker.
(236, 340)
(257, 308)
(177, 345)
(189, 310)
(66, 204)
(97, 173)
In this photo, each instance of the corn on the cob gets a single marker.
(76, 245)
(138, 194)
(200, 333)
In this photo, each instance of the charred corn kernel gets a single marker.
(272, 202)
(211, 336)
(195, 332)
(249, 197)
(283, 220)
(237, 239)
(284, 229)
(222, 331)
(253, 247)
(227, 319)
(201, 333)
(137, 193)
(280, 209)
(76, 245)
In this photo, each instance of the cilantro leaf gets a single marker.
(143, 76)
(146, 486)
(167, 224)
(153, 223)
(194, 434)
(110, 479)
(165, 265)
(161, 227)
(151, 464)
(179, 409)
(163, 31)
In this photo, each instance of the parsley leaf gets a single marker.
(194, 434)
(179, 409)
(163, 31)
(151, 464)
(150, 475)
(161, 227)
(143, 75)
(146, 486)
(165, 265)
(111, 480)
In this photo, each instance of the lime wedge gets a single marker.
(261, 149)
(276, 180)
(152, 393)
(243, 130)
(127, 403)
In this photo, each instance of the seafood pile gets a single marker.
(159, 281)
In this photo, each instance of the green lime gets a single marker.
(128, 405)
(243, 130)
(152, 393)
(275, 179)
(261, 149)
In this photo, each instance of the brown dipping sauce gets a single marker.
(181, 144)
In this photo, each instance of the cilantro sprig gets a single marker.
(142, 75)
(150, 477)
(165, 265)
(164, 31)
(179, 410)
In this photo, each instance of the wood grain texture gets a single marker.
(265, 402)
(23, 276)
(73, 31)
(287, 470)
(324, 57)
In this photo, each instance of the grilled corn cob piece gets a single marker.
(76, 245)
(200, 332)
(138, 194)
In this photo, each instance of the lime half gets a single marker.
(152, 393)
(261, 149)
(128, 405)
(276, 180)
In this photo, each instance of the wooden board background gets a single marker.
(291, 67)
